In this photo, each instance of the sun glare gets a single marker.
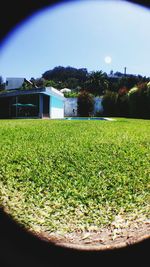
(108, 59)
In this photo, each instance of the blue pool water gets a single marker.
(89, 119)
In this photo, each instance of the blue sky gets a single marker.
(80, 34)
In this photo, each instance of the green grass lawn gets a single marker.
(66, 176)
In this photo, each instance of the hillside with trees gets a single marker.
(123, 94)
(66, 77)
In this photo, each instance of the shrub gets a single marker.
(85, 104)
(109, 103)
(71, 94)
(139, 101)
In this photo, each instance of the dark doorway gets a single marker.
(46, 106)
(5, 108)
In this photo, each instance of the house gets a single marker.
(46, 102)
(16, 83)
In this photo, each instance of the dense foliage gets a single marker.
(65, 176)
(71, 94)
(133, 103)
(85, 104)
(66, 77)
(95, 82)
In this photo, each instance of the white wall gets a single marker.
(56, 107)
(70, 108)
(57, 113)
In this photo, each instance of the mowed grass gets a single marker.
(67, 176)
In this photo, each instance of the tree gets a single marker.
(63, 75)
(41, 82)
(123, 102)
(85, 104)
(2, 84)
(50, 83)
(109, 103)
(1, 80)
(119, 80)
(71, 94)
(72, 83)
(27, 85)
(139, 101)
(97, 82)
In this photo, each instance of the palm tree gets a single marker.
(97, 82)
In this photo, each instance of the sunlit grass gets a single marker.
(73, 175)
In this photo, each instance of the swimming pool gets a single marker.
(89, 118)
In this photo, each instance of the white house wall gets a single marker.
(56, 108)
(57, 113)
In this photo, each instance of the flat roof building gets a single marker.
(45, 102)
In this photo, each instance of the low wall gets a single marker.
(70, 106)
